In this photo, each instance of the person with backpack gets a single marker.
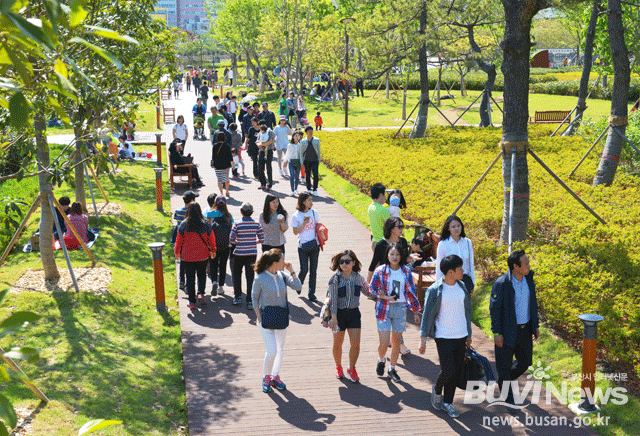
(273, 220)
(221, 223)
(195, 244)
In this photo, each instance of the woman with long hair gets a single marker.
(273, 220)
(222, 161)
(270, 297)
(80, 221)
(345, 288)
(294, 160)
(395, 292)
(195, 244)
(453, 240)
(304, 223)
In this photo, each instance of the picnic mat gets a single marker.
(56, 246)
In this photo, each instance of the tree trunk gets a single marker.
(79, 170)
(515, 67)
(438, 85)
(581, 106)
(386, 85)
(619, 97)
(234, 68)
(463, 86)
(421, 120)
(485, 102)
(51, 274)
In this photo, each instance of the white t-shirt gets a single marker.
(451, 322)
(293, 151)
(308, 233)
(232, 106)
(282, 138)
(181, 131)
(396, 285)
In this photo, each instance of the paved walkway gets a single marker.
(223, 352)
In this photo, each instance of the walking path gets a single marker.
(223, 350)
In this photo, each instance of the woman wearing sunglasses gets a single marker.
(344, 292)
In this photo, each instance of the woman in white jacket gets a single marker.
(453, 240)
(294, 160)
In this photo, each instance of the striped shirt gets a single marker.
(244, 234)
(179, 215)
(345, 293)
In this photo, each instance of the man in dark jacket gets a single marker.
(227, 134)
(267, 116)
(197, 81)
(514, 320)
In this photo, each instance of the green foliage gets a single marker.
(581, 266)
(571, 87)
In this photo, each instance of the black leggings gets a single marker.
(218, 266)
(451, 355)
(191, 269)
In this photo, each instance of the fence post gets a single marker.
(158, 274)
(159, 188)
(158, 110)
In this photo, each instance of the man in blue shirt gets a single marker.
(514, 320)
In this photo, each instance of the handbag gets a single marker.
(471, 370)
(275, 317)
(295, 163)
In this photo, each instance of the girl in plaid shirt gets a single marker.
(392, 284)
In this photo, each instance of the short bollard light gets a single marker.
(159, 149)
(158, 274)
(159, 189)
(590, 335)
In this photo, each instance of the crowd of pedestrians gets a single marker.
(206, 241)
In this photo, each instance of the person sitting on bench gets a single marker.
(176, 159)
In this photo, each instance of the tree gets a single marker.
(619, 96)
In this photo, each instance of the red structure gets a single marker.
(541, 59)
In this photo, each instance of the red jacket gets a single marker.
(194, 247)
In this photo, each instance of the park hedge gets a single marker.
(581, 265)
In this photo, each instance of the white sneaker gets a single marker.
(315, 193)
(296, 192)
(293, 193)
(281, 173)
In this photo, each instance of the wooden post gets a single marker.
(159, 149)
(63, 244)
(93, 173)
(74, 231)
(158, 275)
(93, 198)
(21, 227)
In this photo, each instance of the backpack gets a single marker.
(222, 229)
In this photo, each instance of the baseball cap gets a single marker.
(221, 200)
(283, 117)
(265, 104)
(221, 122)
(189, 196)
(246, 207)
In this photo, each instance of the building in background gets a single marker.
(188, 15)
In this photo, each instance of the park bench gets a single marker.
(550, 117)
(168, 114)
(425, 276)
(179, 178)
(165, 94)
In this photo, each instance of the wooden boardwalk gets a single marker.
(223, 351)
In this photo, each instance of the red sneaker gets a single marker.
(339, 372)
(191, 305)
(353, 375)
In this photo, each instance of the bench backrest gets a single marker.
(551, 115)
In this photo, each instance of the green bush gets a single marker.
(581, 266)
(571, 87)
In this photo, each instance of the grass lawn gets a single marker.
(380, 112)
(106, 356)
(563, 360)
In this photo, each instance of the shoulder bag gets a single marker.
(322, 233)
(275, 317)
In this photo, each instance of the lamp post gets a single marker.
(346, 21)
(590, 335)
(158, 275)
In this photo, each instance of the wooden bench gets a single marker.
(168, 114)
(423, 277)
(179, 178)
(165, 94)
(550, 117)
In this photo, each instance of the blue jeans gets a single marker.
(294, 177)
(309, 264)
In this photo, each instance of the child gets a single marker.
(318, 121)
(125, 150)
(236, 163)
(198, 127)
(394, 206)
(417, 244)
(211, 200)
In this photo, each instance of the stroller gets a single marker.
(198, 128)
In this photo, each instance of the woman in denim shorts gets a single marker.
(392, 284)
